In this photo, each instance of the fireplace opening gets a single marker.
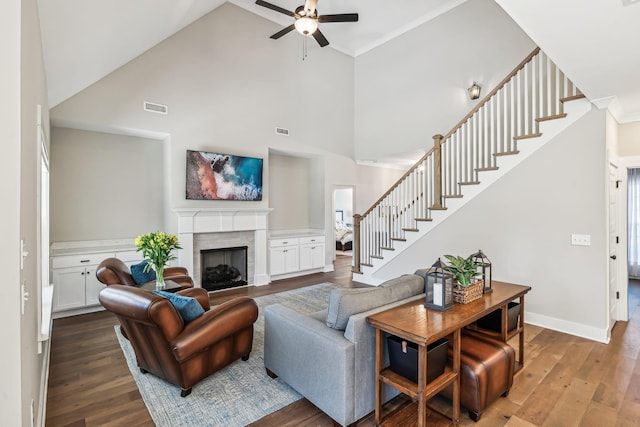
(223, 268)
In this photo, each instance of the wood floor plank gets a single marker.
(566, 380)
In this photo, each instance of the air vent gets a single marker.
(155, 108)
(282, 131)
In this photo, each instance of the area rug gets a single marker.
(236, 395)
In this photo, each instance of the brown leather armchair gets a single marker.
(113, 271)
(178, 353)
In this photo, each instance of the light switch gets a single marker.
(581, 239)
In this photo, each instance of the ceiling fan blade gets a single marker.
(320, 38)
(341, 17)
(282, 32)
(274, 7)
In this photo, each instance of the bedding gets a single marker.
(344, 236)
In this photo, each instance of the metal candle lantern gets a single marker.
(484, 269)
(438, 287)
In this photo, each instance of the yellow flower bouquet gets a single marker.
(156, 249)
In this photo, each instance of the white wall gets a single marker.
(629, 139)
(524, 221)
(344, 202)
(227, 90)
(23, 87)
(289, 195)
(415, 86)
(105, 186)
(10, 365)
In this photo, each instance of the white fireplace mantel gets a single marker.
(221, 220)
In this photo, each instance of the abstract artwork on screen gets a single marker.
(214, 176)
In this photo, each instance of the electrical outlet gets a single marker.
(581, 240)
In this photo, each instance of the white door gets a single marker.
(613, 242)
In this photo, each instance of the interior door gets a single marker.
(613, 243)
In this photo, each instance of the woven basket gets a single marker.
(470, 293)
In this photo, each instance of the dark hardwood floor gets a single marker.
(567, 381)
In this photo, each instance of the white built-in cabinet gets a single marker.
(295, 255)
(76, 287)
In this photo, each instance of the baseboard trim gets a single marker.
(568, 327)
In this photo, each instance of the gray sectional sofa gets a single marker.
(329, 356)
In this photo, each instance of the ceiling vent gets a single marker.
(155, 108)
(282, 131)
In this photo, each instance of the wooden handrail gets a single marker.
(493, 92)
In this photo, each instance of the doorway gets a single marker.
(343, 227)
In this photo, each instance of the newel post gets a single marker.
(356, 242)
(437, 172)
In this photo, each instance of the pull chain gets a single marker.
(304, 48)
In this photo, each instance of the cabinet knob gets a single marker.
(82, 273)
(85, 260)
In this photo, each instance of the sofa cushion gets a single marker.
(343, 302)
(188, 307)
(405, 286)
(139, 275)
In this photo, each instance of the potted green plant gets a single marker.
(465, 270)
(156, 249)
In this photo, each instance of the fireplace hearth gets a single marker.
(223, 268)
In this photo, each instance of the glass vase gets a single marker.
(159, 277)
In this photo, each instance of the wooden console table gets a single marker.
(413, 322)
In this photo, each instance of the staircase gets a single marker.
(534, 103)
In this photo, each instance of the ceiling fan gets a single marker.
(307, 20)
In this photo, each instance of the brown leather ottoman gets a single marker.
(486, 372)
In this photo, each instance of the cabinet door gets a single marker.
(69, 290)
(276, 261)
(311, 256)
(318, 256)
(92, 287)
(291, 261)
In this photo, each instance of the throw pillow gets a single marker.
(344, 302)
(405, 286)
(139, 275)
(189, 308)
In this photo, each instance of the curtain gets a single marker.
(634, 222)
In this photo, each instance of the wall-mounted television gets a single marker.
(215, 176)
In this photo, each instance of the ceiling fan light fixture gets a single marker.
(306, 26)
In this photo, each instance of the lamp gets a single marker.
(474, 91)
(484, 269)
(306, 25)
(438, 287)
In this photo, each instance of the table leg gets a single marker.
(456, 383)
(422, 385)
(378, 409)
(521, 336)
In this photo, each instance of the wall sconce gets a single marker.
(474, 91)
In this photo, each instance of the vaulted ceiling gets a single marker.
(596, 44)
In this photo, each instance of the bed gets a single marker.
(344, 236)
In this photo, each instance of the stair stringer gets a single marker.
(372, 275)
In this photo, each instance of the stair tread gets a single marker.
(490, 168)
(399, 239)
(554, 117)
(572, 98)
(469, 183)
(377, 256)
(410, 229)
(438, 208)
(386, 248)
(506, 153)
(366, 264)
(452, 196)
(528, 136)
(423, 219)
